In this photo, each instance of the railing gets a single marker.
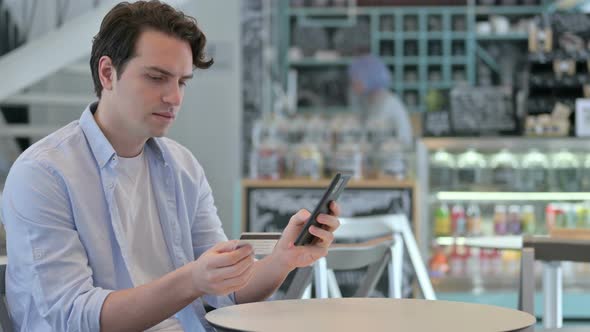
(11, 37)
(10, 34)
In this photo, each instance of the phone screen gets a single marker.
(332, 193)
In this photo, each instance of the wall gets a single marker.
(209, 123)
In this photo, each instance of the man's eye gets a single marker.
(182, 83)
(156, 78)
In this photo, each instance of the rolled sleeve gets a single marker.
(45, 252)
(208, 231)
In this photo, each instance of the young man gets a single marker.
(111, 226)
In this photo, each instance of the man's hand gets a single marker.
(290, 256)
(222, 270)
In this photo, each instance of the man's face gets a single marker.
(149, 92)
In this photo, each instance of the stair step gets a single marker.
(78, 68)
(49, 99)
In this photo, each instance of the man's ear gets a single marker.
(106, 72)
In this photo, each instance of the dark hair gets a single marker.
(121, 27)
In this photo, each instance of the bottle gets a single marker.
(514, 222)
(458, 220)
(582, 214)
(442, 170)
(511, 262)
(566, 171)
(438, 265)
(442, 221)
(535, 171)
(457, 261)
(500, 220)
(472, 267)
(471, 167)
(550, 216)
(528, 219)
(571, 219)
(485, 265)
(504, 168)
(496, 263)
(473, 220)
(560, 215)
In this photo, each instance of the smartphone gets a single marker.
(336, 187)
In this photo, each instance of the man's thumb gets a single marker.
(226, 246)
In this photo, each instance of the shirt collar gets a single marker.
(100, 146)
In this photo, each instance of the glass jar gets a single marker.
(535, 171)
(308, 161)
(566, 171)
(319, 132)
(268, 154)
(471, 166)
(347, 159)
(392, 160)
(585, 173)
(442, 170)
(267, 161)
(504, 170)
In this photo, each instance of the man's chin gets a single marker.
(159, 133)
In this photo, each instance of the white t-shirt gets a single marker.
(142, 228)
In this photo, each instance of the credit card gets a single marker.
(262, 243)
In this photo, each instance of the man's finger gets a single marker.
(231, 258)
(300, 217)
(334, 208)
(225, 246)
(326, 236)
(331, 223)
(235, 270)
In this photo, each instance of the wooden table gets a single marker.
(551, 251)
(367, 314)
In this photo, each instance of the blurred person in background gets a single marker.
(370, 80)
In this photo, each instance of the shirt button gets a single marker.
(111, 185)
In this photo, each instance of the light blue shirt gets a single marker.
(66, 248)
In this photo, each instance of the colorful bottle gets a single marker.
(473, 220)
(458, 220)
(528, 219)
(550, 216)
(457, 261)
(438, 265)
(514, 221)
(500, 220)
(442, 221)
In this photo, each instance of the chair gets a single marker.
(389, 234)
(374, 254)
(5, 321)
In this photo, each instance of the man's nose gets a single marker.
(174, 95)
